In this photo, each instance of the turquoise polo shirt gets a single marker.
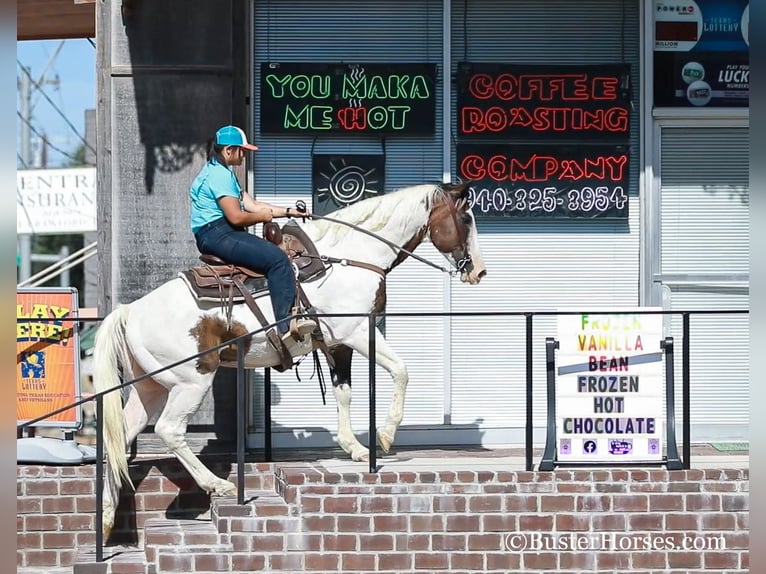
(214, 181)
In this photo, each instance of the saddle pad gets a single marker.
(255, 285)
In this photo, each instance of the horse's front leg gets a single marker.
(390, 361)
(341, 386)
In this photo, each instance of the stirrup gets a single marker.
(299, 328)
(285, 356)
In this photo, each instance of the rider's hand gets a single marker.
(301, 209)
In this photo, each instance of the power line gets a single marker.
(23, 69)
(21, 159)
(45, 139)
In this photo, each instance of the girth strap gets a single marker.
(318, 337)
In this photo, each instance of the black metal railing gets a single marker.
(372, 319)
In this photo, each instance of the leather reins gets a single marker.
(452, 272)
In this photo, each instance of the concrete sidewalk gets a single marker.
(511, 458)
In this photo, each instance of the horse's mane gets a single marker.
(375, 213)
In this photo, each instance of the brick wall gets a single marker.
(303, 518)
(56, 506)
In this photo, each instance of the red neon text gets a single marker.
(377, 117)
(497, 119)
(566, 87)
(538, 168)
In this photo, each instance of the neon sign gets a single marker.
(544, 102)
(546, 181)
(348, 98)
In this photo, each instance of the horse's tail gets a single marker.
(109, 352)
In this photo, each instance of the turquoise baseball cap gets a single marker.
(232, 135)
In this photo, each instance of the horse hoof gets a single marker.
(384, 442)
(224, 488)
(361, 455)
(107, 521)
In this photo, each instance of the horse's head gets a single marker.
(452, 229)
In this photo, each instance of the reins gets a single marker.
(451, 272)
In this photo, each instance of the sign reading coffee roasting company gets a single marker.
(348, 98)
(546, 181)
(553, 102)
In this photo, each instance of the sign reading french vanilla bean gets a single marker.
(546, 181)
(348, 98)
(544, 102)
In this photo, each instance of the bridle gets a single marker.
(454, 208)
(460, 264)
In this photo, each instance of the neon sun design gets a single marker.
(346, 184)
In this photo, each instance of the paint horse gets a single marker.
(169, 324)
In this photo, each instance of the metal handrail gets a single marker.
(67, 262)
(372, 318)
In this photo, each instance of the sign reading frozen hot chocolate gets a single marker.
(609, 387)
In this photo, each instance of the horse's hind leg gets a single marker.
(341, 383)
(144, 400)
(184, 399)
(390, 361)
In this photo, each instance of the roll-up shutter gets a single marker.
(373, 31)
(539, 266)
(705, 254)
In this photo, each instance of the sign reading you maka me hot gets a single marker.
(348, 98)
(609, 387)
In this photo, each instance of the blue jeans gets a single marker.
(235, 245)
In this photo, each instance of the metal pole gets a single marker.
(528, 448)
(267, 415)
(550, 454)
(372, 437)
(25, 240)
(670, 406)
(64, 254)
(99, 478)
(241, 404)
(26, 96)
(686, 392)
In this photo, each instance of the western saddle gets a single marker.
(219, 281)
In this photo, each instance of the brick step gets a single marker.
(117, 560)
(263, 512)
(180, 532)
(198, 558)
(165, 540)
(224, 542)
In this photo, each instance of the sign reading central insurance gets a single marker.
(544, 102)
(348, 98)
(609, 387)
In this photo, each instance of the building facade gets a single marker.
(607, 141)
